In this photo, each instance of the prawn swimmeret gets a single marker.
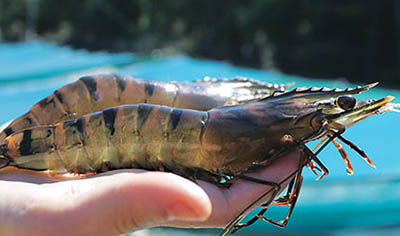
(213, 130)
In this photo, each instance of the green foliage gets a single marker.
(354, 39)
(12, 19)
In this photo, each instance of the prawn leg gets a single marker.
(289, 199)
(357, 149)
(306, 157)
(284, 201)
(234, 225)
(349, 168)
(291, 202)
(238, 226)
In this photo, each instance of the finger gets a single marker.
(116, 203)
(229, 202)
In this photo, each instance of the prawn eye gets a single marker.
(346, 102)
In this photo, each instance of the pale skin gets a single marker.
(123, 201)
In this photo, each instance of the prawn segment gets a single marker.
(349, 168)
(131, 136)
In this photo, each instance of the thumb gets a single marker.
(131, 200)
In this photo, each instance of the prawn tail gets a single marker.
(4, 160)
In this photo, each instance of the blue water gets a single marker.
(368, 199)
(35, 59)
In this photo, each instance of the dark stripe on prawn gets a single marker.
(143, 111)
(91, 86)
(46, 102)
(30, 121)
(8, 131)
(59, 96)
(109, 115)
(175, 117)
(149, 88)
(25, 147)
(78, 123)
(121, 81)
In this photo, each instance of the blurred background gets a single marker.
(45, 44)
(358, 40)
